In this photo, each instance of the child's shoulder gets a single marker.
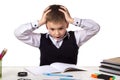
(44, 34)
(71, 32)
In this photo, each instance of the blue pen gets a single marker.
(66, 78)
(53, 74)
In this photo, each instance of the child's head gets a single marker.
(56, 22)
(55, 15)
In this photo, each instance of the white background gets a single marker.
(105, 44)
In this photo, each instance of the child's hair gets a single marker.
(55, 15)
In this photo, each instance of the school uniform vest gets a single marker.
(67, 53)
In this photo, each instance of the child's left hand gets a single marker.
(69, 19)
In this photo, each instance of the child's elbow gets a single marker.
(97, 27)
(17, 34)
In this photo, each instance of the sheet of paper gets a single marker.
(42, 69)
(62, 66)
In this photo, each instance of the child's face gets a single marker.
(57, 30)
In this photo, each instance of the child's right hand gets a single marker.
(42, 21)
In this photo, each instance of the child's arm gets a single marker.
(42, 21)
(25, 32)
(89, 27)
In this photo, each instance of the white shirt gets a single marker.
(25, 32)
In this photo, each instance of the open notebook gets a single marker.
(53, 68)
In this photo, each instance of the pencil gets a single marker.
(3, 53)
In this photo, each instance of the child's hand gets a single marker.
(43, 19)
(69, 19)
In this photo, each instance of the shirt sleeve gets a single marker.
(88, 29)
(25, 34)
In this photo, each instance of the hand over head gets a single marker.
(56, 14)
(68, 18)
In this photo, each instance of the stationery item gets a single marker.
(115, 60)
(62, 78)
(108, 69)
(0, 69)
(24, 79)
(52, 79)
(22, 74)
(60, 75)
(111, 65)
(103, 76)
(3, 53)
(53, 68)
(68, 78)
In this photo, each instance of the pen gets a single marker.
(103, 76)
(62, 78)
(66, 78)
(53, 74)
(3, 53)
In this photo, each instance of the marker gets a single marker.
(61, 75)
(103, 76)
(3, 53)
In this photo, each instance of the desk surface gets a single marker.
(10, 73)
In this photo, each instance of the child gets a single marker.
(58, 45)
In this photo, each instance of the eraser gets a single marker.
(22, 74)
(24, 79)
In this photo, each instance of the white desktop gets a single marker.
(11, 73)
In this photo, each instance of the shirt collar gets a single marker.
(66, 35)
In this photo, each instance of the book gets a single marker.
(115, 60)
(53, 68)
(110, 65)
(109, 70)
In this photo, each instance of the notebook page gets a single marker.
(62, 66)
(41, 69)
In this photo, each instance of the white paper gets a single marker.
(53, 68)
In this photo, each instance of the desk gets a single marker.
(10, 73)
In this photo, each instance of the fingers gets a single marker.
(66, 13)
(47, 9)
(43, 19)
(64, 10)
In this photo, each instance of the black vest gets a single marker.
(67, 53)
